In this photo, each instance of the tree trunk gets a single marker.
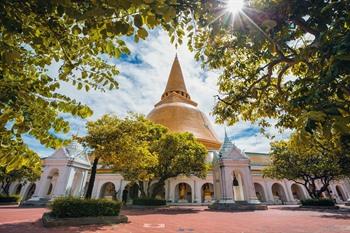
(313, 192)
(92, 179)
(142, 189)
(5, 185)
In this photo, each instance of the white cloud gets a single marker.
(141, 85)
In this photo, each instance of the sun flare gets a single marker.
(234, 6)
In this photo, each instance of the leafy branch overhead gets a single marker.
(286, 60)
(76, 36)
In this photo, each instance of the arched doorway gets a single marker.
(161, 193)
(279, 195)
(76, 184)
(237, 186)
(340, 193)
(51, 182)
(260, 193)
(18, 189)
(183, 193)
(207, 192)
(130, 192)
(108, 191)
(297, 192)
(30, 191)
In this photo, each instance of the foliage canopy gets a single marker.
(308, 159)
(286, 59)
(76, 36)
(144, 152)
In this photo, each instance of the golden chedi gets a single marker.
(179, 113)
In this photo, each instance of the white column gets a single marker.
(250, 186)
(228, 184)
(168, 190)
(96, 188)
(24, 189)
(197, 195)
(269, 194)
(288, 191)
(64, 182)
(172, 190)
(42, 184)
(81, 184)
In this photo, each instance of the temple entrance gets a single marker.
(30, 191)
(108, 191)
(237, 187)
(76, 184)
(340, 193)
(207, 192)
(130, 192)
(183, 193)
(260, 193)
(279, 194)
(161, 193)
(297, 192)
(51, 182)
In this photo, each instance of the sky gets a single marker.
(142, 80)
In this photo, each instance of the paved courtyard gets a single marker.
(191, 219)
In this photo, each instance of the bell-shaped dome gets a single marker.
(179, 113)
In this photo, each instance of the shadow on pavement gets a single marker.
(37, 227)
(341, 213)
(166, 211)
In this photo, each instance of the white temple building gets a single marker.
(236, 176)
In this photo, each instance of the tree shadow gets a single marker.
(341, 213)
(37, 226)
(165, 211)
(8, 207)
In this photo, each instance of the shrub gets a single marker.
(318, 202)
(148, 202)
(70, 207)
(8, 199)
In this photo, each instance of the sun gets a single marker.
(234, 6)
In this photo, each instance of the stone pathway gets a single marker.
(278, 219)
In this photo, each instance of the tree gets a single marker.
(143, 152)
(178, 154)
(76, 37)
(287, 60)
(121, 143)
(308, 161)
(21, 175)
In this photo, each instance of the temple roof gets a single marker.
(229, 150)
(179, 113)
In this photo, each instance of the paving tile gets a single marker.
(278, 219)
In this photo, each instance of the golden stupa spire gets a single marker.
(176, 81)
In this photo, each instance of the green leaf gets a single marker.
(142, 33)
(138, 21)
